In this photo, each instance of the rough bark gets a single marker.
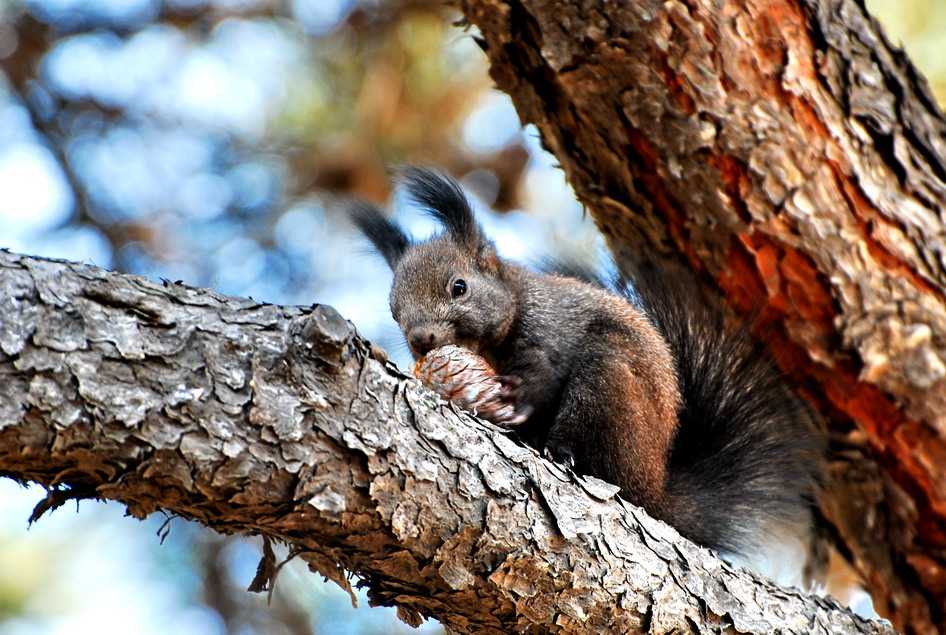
(280, 421)
(796, 161)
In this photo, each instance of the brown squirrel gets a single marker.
(645, 387)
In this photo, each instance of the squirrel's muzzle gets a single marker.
(424, 339)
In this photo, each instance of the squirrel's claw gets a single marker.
(561, 454)
(509, 382)
(509, 387)
(509, 417)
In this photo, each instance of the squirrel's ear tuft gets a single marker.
(386, 236)
(442, 198)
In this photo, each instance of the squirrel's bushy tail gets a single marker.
(745, 459)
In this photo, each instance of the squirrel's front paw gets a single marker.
(558, 453)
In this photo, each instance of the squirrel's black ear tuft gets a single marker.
(440, 195)
(386, 236)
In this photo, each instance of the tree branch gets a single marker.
(278, 421)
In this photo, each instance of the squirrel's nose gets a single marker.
(422, 341)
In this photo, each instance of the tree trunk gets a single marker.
(796, 161)
(281, 421)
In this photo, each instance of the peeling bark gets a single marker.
(796, 161)
(279, 421)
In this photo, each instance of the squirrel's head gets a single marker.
(450, 289)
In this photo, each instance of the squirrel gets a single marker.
(642, 385)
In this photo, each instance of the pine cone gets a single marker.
(466, 379)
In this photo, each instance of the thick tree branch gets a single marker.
(796, 161)
(278, 421)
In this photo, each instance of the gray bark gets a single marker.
(280, 421)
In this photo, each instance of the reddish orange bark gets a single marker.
(790, 156)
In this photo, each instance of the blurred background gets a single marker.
(205, 141)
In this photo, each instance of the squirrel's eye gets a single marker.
(458, 288)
